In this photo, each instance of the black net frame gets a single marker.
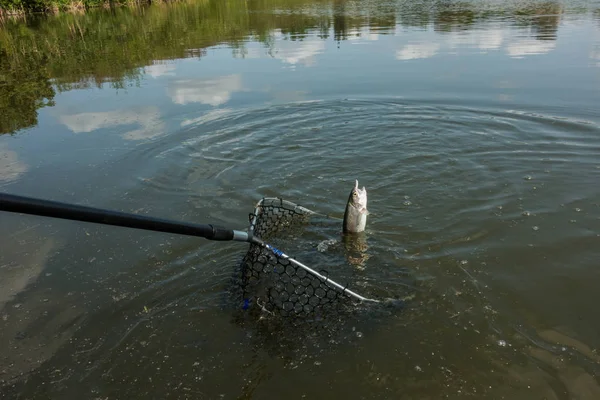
(275, 284)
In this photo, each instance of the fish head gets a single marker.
(358, 197)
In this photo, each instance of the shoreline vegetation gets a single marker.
(42, 56)
(21, 8)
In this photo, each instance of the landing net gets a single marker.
(277, 285)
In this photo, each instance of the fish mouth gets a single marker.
(359, 190)
(359, 197)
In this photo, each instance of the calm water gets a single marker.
(474, 125)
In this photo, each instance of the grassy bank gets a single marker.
(41, 56)
(23, 7)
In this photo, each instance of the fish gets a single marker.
(355, 216)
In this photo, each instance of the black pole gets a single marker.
(54, 209)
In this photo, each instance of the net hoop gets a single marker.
(279, 283)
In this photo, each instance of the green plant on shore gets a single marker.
(20, 7)
(41, 54)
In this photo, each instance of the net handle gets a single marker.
(55, 209)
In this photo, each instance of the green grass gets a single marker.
(41, 55)
(44, 54)
(22, 7)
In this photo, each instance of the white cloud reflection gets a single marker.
(298, 52)
(372, 37)
(147, 119)
(291, 52)
(213, 92)
(248, 53)
(11, 168)
(527, 47)
(162, 69)
(484, 40)
(595, 55)
(417, 51)
(361, 34)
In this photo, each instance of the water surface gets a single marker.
(474, 126)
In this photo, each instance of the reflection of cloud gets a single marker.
(595, 55)
(369, 35)
(148, 118)
(247, 53)
(26, 253)
(491, 40)
(11, 167)
(294, 52)
(211, 115)
(482, 39)
(23, 267)
(372, 36)
(157, 70)
(362, 33)
(213, 92)
(526, 47)
(415, 51)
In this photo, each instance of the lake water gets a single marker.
(474, 125)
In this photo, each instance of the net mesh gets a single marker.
(273, 283)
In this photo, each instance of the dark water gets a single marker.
(474, 125)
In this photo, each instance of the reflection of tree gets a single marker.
(415, 13)
(384, 22)
(324, 28)
(454, 17)
(544, 19)
(546, 27)
(351, 18)
(24, 87)
(110, 47)
(340, 26)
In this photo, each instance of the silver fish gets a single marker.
(355, 216)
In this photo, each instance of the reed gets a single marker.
(18, 8)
